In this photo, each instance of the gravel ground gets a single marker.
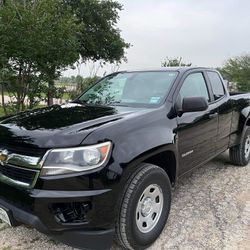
(210, 210)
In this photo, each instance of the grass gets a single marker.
(10, 111)
(1, 111)
(66, 96)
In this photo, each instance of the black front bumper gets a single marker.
(32, 207)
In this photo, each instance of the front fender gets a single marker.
(136, 138)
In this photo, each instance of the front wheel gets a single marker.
(240, 154)
(144, 208)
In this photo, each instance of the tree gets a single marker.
(174, 62)
(99, 37)
(87, 83)
(62, 47)
(82, 84)
(39, 40)
(237, 69)
(4, 74)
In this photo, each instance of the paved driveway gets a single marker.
(210, 210)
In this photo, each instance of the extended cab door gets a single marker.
(224, 108)
(196, 131)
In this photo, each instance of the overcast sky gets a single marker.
(204, 32)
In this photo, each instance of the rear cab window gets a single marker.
(216, 84)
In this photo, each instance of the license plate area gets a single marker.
(5, 217)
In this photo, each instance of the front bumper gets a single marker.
(33, 208)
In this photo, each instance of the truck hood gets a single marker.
(58, 126)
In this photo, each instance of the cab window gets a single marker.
(194, 86)
(217, 85)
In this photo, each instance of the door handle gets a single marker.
(214, 115)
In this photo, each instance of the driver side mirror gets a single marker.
(194, 104)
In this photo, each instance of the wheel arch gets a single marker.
(247, 124)
(167, 161)
(164, 157)
(245, 117)
(242, 124)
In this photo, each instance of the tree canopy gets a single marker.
(175, 62)
(237, 70)
(40, 38)
(99, 37)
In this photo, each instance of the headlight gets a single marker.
(70, 160)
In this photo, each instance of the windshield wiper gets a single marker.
(116, 103)
(78, 101)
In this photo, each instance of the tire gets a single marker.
(144, 207)
(240, 154)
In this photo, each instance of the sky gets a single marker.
(203, 32)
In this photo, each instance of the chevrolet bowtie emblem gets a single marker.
(3, 156)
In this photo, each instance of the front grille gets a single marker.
(18, 175)
(19, 166)
(23, 150)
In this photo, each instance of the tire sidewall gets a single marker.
(243, 144)
(135, 236)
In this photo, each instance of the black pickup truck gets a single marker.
(102, 167)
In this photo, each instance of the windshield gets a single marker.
(129, 89)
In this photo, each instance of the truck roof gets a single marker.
(180, 69)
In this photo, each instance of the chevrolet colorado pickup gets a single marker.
(102, 167)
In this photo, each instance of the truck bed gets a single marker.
(237, 93)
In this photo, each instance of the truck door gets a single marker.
(196, 131)
(224, 109)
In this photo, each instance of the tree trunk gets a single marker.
(50, 93)
(18, 103)
(3, 103)
(31, 102)
(22, 105)
(19, 88)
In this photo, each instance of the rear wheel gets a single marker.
(144, 208)
(240, 154)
